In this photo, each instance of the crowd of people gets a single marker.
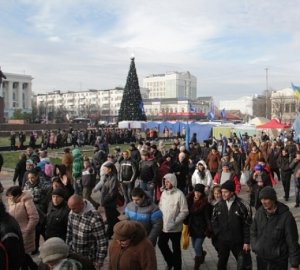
(146, 195)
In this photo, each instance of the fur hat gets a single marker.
(129, 229)
(268, 193)
(54, 249)
(171, 178)
(228, 185)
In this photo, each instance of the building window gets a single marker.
(293, 107)
(25, 86)
(286, 108)
(15, 85)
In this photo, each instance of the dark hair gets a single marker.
(62, 169)
(138, 192)
(3, 213)
(34, 172)
(14, 191)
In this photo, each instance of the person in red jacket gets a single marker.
(228, 173)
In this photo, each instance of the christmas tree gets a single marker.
(132, 106)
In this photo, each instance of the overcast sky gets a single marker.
(86, 44)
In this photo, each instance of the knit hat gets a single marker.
(228, 185)
(200, 188)
(171, 178)
(53, 249)
(268, 193)
(124, 230)
(258, 167)
(59, 192)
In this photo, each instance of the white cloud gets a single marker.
(67, 43)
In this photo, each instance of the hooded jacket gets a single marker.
(173, 206)
(77, 163)
(275, 237)
(198, 179)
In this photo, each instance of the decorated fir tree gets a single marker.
(132, 106)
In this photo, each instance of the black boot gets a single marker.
(197, 262)
(202, 257)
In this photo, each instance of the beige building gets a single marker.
(17, 93)
(285, 105)
(103, 103)
(171, 85)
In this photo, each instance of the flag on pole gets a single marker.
(192, 108)
(296, 90)
(223, 114)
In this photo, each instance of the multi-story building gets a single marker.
(171, 85)
(17, 93)
(285, 105)
(102, 104)
(252, 106)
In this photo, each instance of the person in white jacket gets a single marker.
(174, 208)
(202, 176)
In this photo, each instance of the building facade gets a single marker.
(285, 105)
(17, 93)
(100, 104)
(171, 85)
(252, 106)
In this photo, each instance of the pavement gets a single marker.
(188, 255)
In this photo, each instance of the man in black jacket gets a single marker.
(57, 215)
(128, 173)
(274, 234)
(231, 222)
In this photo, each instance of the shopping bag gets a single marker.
(244, 261)
(244, 177)
(185, 237)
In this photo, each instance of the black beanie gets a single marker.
(268, 193)
(228, 185)
(200, 188)
(59, 192)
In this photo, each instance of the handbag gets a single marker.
(185, 237)
(244, 261)
(244, 177)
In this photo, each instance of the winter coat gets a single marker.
(232, 225)
(20, 171)
(174, 208)
(109, 191)
(233, 177)
(149, 215)
(148, 171)
(11, 237)
(199, 216)
(252, 160)
(77, 163)
(139, 255)
(88, 177)
(57, 221)
(275, 237)
(198, 179)
(25, 212)
(67, 160)
(128, 170)
(213, 161)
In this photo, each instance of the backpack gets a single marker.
(49, 169)
(3, 256)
